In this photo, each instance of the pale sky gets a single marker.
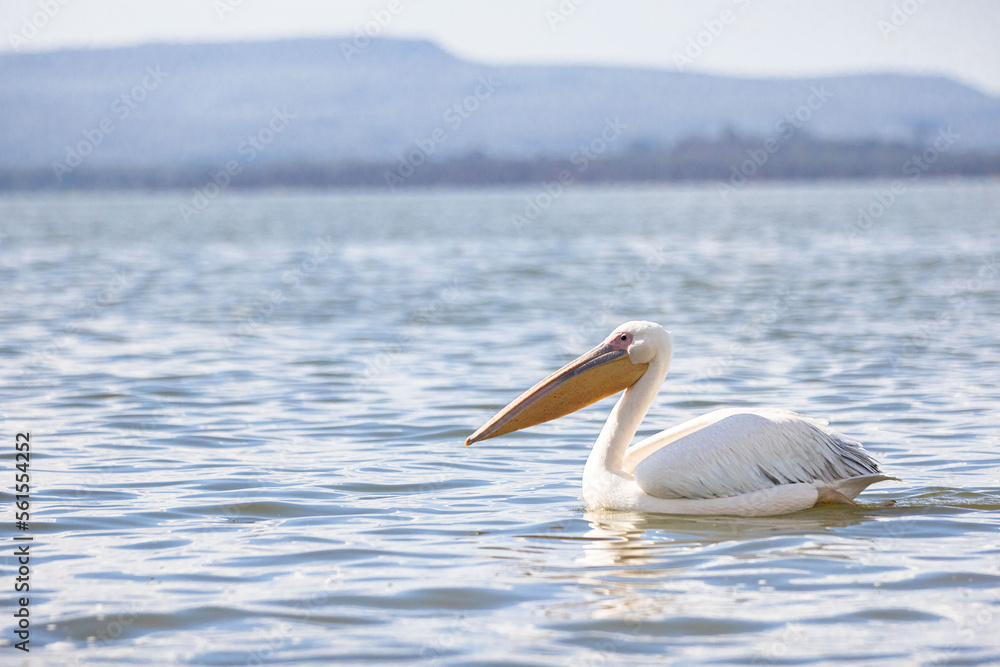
(956, 38)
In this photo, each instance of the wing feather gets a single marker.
(739, 452)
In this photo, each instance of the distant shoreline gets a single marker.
(731, 162)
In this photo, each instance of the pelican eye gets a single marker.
(624, 337)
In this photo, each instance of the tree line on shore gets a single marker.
(730, 160)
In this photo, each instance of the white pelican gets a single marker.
(735, 461)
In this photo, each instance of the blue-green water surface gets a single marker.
(247, 424)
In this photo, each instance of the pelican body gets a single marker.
(746, 462)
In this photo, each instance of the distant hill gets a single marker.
(318, 102)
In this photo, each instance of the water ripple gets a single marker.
(231, 467)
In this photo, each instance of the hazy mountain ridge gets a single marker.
(184, 105)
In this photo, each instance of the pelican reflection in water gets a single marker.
(747, 462)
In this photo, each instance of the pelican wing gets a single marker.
(732, 452)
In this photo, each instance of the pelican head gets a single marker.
(614, 365)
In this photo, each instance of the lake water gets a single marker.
(247, 426)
